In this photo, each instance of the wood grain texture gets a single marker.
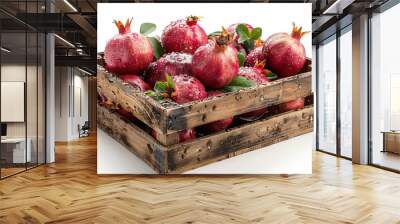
(144, 108)
(70, 191)
(211, 148)
(167, 117)
(133, 138)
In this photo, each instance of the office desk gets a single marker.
(13, 150)
(391, 141)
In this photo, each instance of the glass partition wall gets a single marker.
(334, 94)
(385, 90)
(22, 77)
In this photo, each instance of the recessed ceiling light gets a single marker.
(70, 5)
(84, 71)
(5, 50)
(64, 40)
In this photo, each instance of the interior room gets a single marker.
(49, 156)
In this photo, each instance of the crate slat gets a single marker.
(168, 118)
(218, 146)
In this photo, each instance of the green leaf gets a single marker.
(170, 82)
(249, 45)
(272, 76)
(160, 87)
(256, 33)
(243, 32)
(228, 89)
(147, 28)
(158, 51)
(241, 59)
(153, 95)
(241, 82)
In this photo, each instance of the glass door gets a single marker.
(385, 90)
(345, 108)
(326, 96)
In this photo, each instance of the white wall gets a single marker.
(70, 83)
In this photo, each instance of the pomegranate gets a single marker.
(254, 56)
(127, 52)
(126, 114)
(136, 82)
(104, 101)
(292, 105)
(184, 135)
(256, 74)
(187, 88)
(220, 124)
(284, 53)
(171, 64)
(216, 64)
(183, 36)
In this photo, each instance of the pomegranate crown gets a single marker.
(122, 29)
(192, 20)
(258, 42)
(297, 32)
(224, 38)
(259, 64)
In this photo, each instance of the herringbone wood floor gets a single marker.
(69, 191)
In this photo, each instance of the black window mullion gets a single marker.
(338, 74)
(316, 96)
(26, 87)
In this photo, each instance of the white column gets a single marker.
(360, 90)
(50, 92)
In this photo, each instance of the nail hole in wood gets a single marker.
(149, 148)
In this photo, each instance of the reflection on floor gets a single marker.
(12, 169)
(387, 159)
(70, 191)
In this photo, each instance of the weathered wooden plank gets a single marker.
(168, 118)
(133, 138)
(219, 146)
(189, 155)
(144, 108)
(231, 104)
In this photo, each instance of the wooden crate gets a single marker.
(168, 118)
(185, 156)
(166, 155)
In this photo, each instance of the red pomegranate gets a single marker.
(292, 105)
(126, 114)
(220, 124)
(187, 89)
(216, 64)
(127, 52)
(257, 75)
(136, 82)
(256, 55)
(171, 64)
(183, 36)
(284, 53)
(104, 101)
(184, 135)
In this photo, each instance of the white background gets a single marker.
(270, 17)
(291, 156)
